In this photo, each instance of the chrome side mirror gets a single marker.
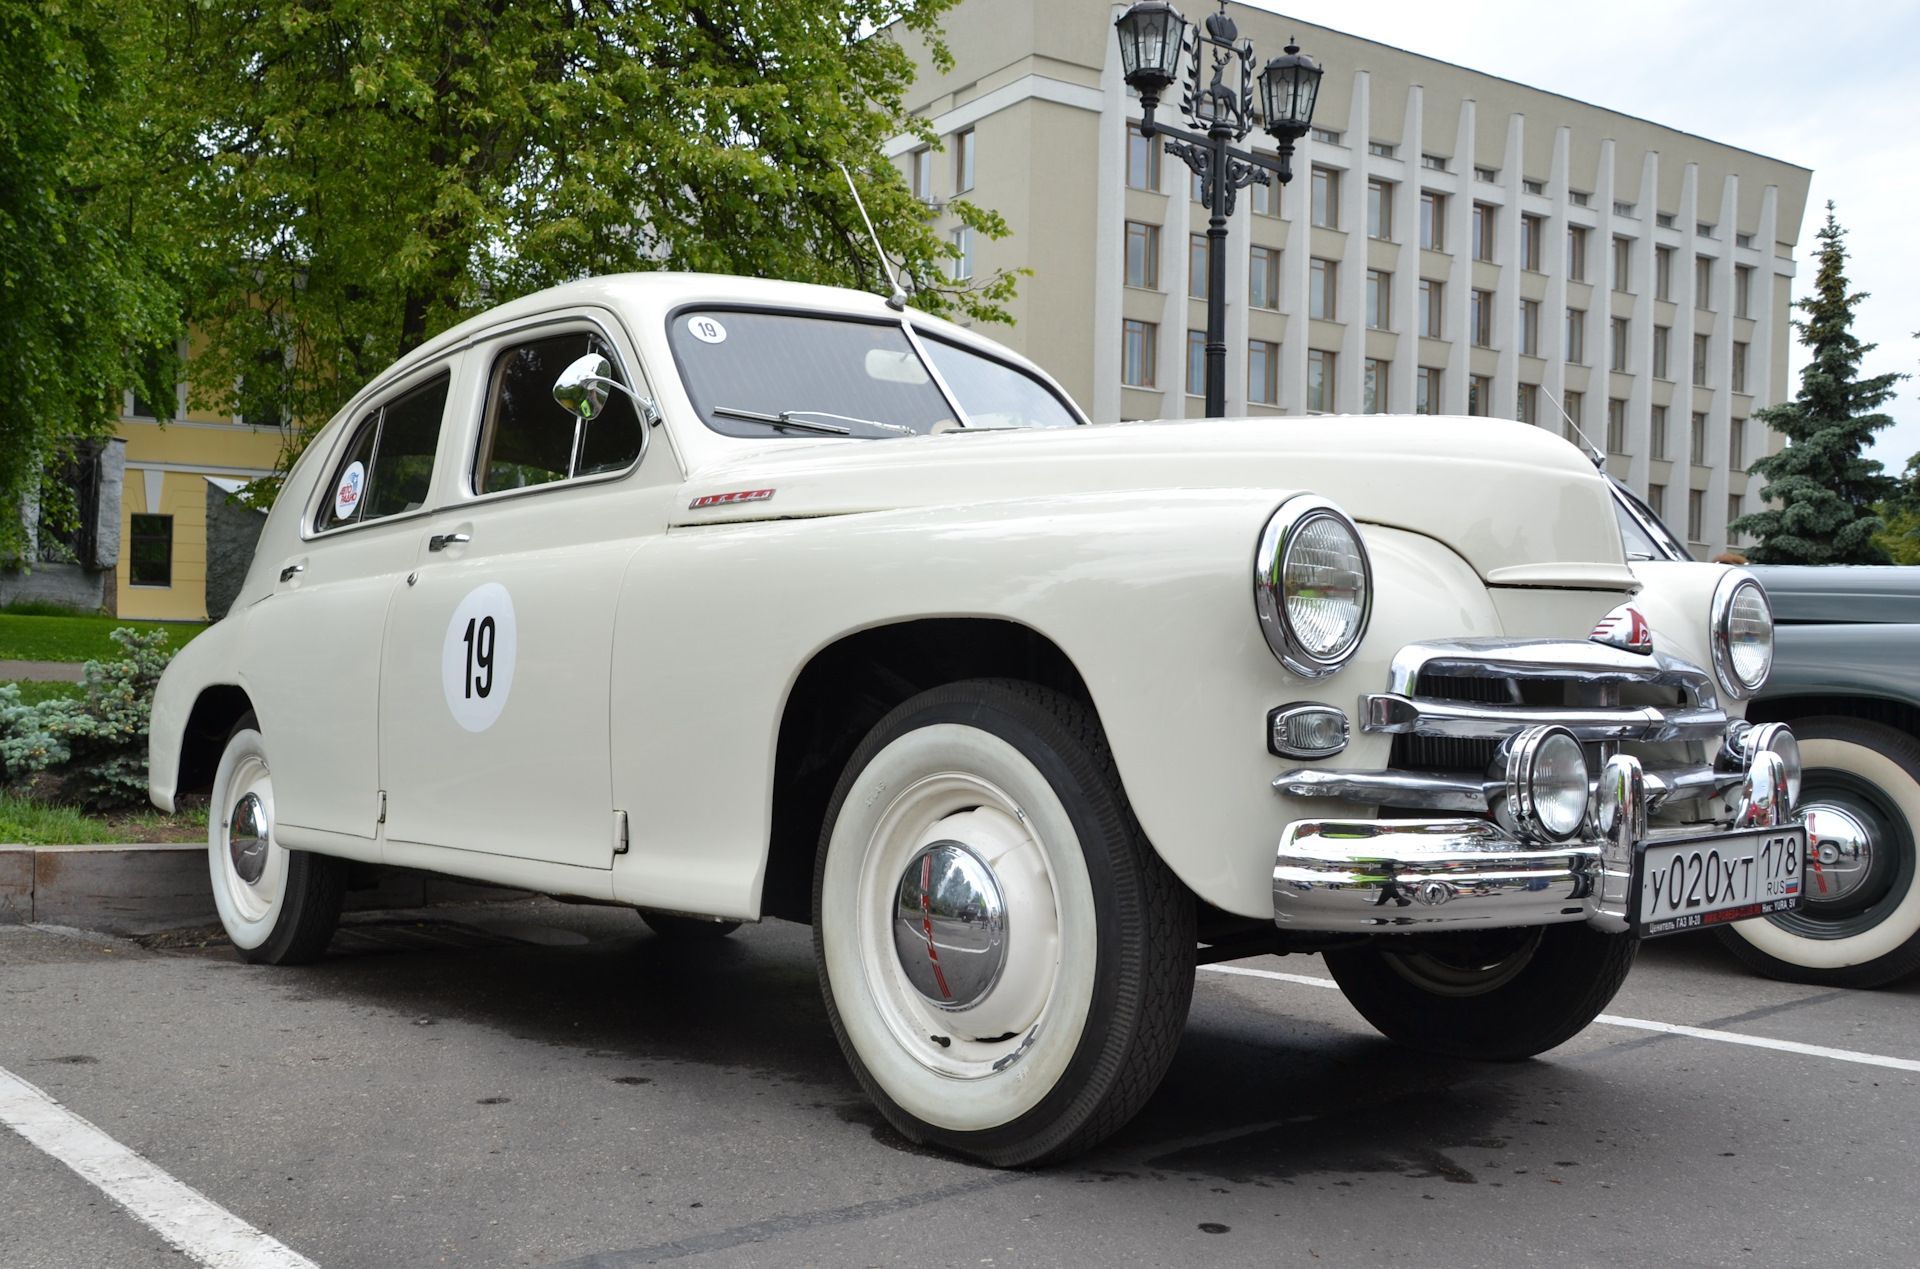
(582, 387)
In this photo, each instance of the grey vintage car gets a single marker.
(1846, 680)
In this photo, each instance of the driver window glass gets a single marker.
(388, 465)
(995, 394)
(530, 439)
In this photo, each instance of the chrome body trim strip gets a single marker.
(1578, 659)
(1418, 790)
(1424, 716)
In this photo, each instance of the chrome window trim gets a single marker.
(939, 380)
(1717, 639)
(1270, 553)
(367, 404)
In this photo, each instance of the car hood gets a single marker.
(1521, 505)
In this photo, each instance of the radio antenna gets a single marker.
(1594, 452)
(898, 300)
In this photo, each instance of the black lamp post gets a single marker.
(1154, 39)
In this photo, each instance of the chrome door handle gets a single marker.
(287, 573)
(441, 541)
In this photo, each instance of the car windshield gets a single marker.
(762, 374)
(1645, 537)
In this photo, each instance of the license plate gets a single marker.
(1691, 882)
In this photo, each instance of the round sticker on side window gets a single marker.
(346, 498)
(706, 330)
(476, 661)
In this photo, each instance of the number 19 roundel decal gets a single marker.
(476, 661)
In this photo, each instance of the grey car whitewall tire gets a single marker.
(1079, 1024)
(1871, 772)
(278, 906)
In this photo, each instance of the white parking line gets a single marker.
(179, 1213)
(1643, 1024)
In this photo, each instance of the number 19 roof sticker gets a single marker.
(476, 660)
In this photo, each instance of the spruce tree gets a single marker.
(1822, 489)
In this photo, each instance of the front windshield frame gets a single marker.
(1652, 525)
(909, 330)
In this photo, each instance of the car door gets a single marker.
(494, 681)
(313, 646)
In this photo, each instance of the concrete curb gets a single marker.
(146, 887)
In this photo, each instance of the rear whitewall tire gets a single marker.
(1889, 762)
(286, 915)
(1081, 1022)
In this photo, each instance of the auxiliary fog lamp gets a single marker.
(1547, 783)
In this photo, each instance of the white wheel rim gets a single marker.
(248, 910)
(1005, 1053)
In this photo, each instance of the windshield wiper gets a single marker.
(792, 419)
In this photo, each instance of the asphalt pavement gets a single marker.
(536, 1083)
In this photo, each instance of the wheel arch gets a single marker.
(848, 686)
(218, 707)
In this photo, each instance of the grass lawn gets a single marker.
(34, 638)
(32, 693)
(30, 823)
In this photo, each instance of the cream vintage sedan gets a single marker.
(731, 599)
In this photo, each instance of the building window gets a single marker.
(1532, 228)
(1426, 391)
(1663, 219)
(1143, 255)
(1320, 381)
(963, 257)
(1373, 387)
(1657, 434)
(1743, 290)
(1534, 187)
(1326, 198)
(1196, 363)
(1577, 197)
(1577, 336)
(150, 551)
(1379, 301)
(1323, 288)
(1479, 395)
(1621, 327)
(1696, 515)
(963, 161)
(1574, 406)
(1627, 210)
(1697, 440)
(1740, 367)
(1432, 308)
(1433, 162)
(1139, 352)
(1433, 220)
(1491, 175)
(1263, 278)
(1199, 266)
(1734, 511)
(1737, 445)
(1662, 338)
(1663, 273)
(1265, 196)
(1480, 318)
(1143, 159)
(1482, 232)
(1263, 372)
(920, 174)
(1326, 136)
(1700, 361)
(1703, 281)
(1577, 253)
(1530, 327)
(1380, 149)
(1379, 209)
(1622, 264)
(1743, 240)
(1657, 500)
(1527, 404)
(1705, 230)
(1616, 426)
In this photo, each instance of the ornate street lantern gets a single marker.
(1152, 35)
(1289, 87)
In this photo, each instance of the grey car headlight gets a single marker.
(1312, 585)
(1741, 634)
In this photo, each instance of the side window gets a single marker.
(995, 394)
(388, 465)
(528, 439)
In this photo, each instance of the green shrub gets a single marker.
(96, 746)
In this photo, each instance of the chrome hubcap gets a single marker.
(247, 838)
(950, 925)
(1840, 850)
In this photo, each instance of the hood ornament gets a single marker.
(1625, 628)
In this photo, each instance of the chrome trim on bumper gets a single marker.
(1383, 876)
(1582, 660)
(1417, 790)
(1424, 716)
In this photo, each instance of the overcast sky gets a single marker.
(1833, 86)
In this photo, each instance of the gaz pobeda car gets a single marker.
(730, 599)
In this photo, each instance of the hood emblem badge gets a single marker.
(1625, 628)
(727, 499)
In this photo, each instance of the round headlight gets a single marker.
(1312, 586)
(1547, 783)
(1741, 634)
